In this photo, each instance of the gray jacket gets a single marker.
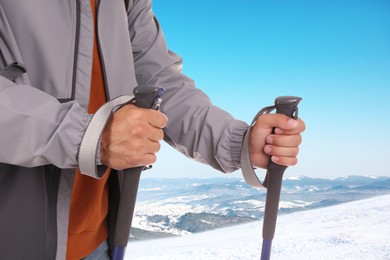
(43, 114)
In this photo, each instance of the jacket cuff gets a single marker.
(89, 152)
(237, 137)
(230, 154)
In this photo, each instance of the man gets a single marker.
(78, 55)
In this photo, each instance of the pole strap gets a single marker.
(246, 162)
(89, 147)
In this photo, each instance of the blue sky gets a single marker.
(334, 54)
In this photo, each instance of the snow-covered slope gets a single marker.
(167, 207)
(354, 230)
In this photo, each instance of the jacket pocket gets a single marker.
(9, 51)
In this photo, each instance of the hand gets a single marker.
(131, 138)
(283, 146)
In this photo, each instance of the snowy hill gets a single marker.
(353, 230)
(171, 207)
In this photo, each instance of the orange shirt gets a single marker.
(89, 203)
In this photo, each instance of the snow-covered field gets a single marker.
(355, 230)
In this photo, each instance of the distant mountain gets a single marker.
(199, 222)
(303, 181)
(355, 180)
(182, 206)
(376, 186)
(355, 230)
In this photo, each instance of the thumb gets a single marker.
(270, 121)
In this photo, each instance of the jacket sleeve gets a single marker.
(195, 127)
(35, 129)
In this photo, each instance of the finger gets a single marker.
(152, 148)
(157, 119)
(156, 135)
(149, 159)
(277, 120)
(284, 140)
(281, 151)
(285, 161)
(145, 155)
(299, 128)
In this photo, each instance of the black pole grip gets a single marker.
(145, 97)
(287, 105)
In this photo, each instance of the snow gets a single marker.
(149, 189)
(292, 204)
(172, 206)
(255, 203)
(355, 230)
(295, 178)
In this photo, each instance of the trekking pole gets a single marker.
(287, 105)
(145, 97)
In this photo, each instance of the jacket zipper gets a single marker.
(101, 54)
(76, 49)
(114, 199)
(75, 55)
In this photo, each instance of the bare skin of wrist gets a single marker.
(282, 146)
(132, 137)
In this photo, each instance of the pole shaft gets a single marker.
(266, 250)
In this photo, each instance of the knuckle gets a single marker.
(266, 120)
(137, 113)
(137, 131)
(276, 140)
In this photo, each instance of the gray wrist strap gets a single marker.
(91, 139)
(246, 162)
